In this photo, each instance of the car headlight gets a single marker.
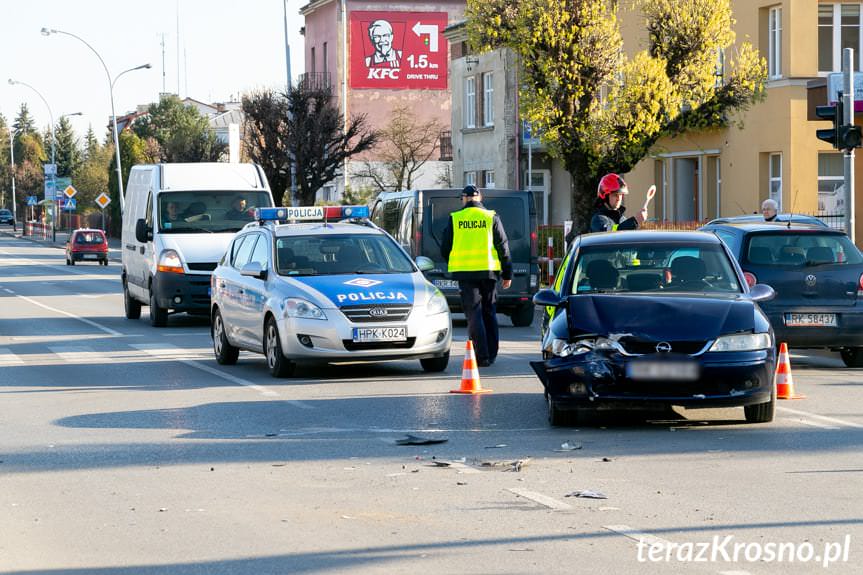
(563, 348)
(742, 342)
(300, 308)
(436, 304)
(169, 261)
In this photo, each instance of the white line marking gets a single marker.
(77, 353)
(9, 358)
(545, 500)
(734, 573)
(638, 536)
(821, 417)
(107, 330)
(7, 290)
(813, 423)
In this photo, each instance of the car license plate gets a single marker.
(91, 256)
(446, 284)
(368, 334)
(811, 319)
(663, 370)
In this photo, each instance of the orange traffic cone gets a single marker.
(784, 381)
(470, 373)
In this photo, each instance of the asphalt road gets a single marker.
(126, 449)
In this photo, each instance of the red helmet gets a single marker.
(610, 183)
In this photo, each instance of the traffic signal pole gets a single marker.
(848, 120)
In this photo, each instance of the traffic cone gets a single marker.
(784, 381)
(470, 373)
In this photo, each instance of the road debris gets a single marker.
(498, 446)
(587, 494)
(415, 440)
(567, 446)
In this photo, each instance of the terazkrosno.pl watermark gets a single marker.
(727, 549)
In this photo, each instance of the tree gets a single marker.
(600, 111)
(24, 123)
(91, 175)
(67, 148)
(305, 124)
(183, 134)
(5, 169)
(91, 144)
(405, 145)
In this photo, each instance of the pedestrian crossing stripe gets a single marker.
(9, 358)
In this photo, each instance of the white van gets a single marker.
(178, 222)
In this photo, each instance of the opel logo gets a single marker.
(378, 312)
(663, 347)
(810, 280)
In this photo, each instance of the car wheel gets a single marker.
(556, 416)
(158, 315)
(278, 364)
(435, 363)
(131, 305)
(761, 412)
(226, 354)
(523, 315)
(852, 356)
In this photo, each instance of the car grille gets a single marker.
(373, 313)
(642, 347)
(202, 267)
(351, 345)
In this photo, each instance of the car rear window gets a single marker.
(89, 238)
(513, 215)
(802, 249)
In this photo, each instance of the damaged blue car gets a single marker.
(648, 319)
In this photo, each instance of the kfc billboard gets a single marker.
(398, 50)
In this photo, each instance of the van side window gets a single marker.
(406, 227)
(378, 214)
(391, 216)
(149, 212)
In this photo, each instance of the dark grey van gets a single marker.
(416, 219)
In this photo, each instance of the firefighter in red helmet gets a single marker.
(608, 211)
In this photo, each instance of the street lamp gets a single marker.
(12, 165)
(48, 32)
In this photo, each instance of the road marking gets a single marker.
(821, 417)
(638, 536)
(9, 358)
(175, 353)
(814, 423)
(544, 500)
(77, 353)
(7, 290)
(107, 330)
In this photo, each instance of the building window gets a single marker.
(489, 179)
(839, 27)
(325, 63)
(470, 178)
(470, 102)
(488, 99)
(776, 179)
(313, 61)
(831, 182)
(774, 36)
(720, 68)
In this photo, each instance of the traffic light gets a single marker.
(850, 137)
(834, 114)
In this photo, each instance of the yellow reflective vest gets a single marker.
(473, 241)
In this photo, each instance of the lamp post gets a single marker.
(48, 32)
(53, 152)
(12, 164)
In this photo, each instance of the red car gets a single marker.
(87, 245)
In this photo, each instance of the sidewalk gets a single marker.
(114, 244)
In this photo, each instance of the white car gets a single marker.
(323, 292)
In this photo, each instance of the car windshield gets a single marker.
(651, 268)
(334, 255)
(208, 212)
(801, 249)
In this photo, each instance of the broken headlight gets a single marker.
(563, 348)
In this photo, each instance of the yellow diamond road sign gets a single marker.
(70, 191)
(103, 200)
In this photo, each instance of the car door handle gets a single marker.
(142, 249)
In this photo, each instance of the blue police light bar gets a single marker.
(311, 213)
(351, 211)
(271, 214)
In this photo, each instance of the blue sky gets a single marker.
(226, 48)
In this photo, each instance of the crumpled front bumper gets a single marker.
(599, 379)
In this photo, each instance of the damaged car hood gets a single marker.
(671, 317)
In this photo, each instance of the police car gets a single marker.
(319, 291)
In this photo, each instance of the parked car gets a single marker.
(647, 319)
(6, 217)
(416, 219)
(758, 218)
(86, 245)
(817, 273)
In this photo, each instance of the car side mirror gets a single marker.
(142, 233)
(254, 270)
(424, 264)
(762, 292)
(547, 298)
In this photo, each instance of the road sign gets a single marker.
(50, 169)
(70, 204)
(32, 201)
(70, 191)
(103, 200)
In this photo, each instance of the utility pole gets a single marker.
(848, 120)
(290, 86)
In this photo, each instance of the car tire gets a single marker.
(522, 316)
(761, 412)
(277, 363)
(158, 315)
(435, 364)
(558, 417)
(852, 356)
(226, 354)
(130, 304)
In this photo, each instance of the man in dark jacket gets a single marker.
(476, 249)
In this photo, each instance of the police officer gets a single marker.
(608, 211)
(477, 252)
